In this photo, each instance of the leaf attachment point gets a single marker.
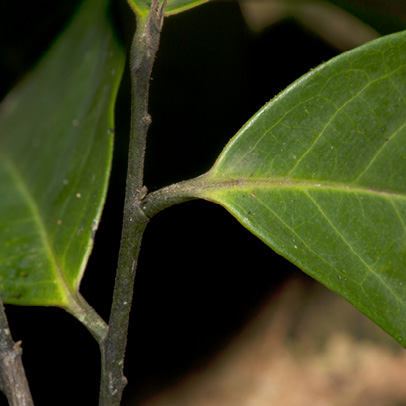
(142, 7)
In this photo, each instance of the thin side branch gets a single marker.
(144, 48)
(13, 382)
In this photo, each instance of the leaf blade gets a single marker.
(56, 148)
(317, 175)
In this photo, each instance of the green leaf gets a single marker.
(56, 134)
(142, 7)
(319, 174)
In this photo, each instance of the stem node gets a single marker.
(144, 47)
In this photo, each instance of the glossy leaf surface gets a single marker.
(56, 133)
(141, 7)
(319, 174)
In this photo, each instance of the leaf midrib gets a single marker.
(223, 183)
(22, 186)
(242, 183)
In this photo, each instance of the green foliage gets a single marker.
(141, 7)
(319, 175)
(55, 155)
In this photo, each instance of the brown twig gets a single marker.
(144, 48)
(13, 382)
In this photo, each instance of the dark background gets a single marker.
(201, 275)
